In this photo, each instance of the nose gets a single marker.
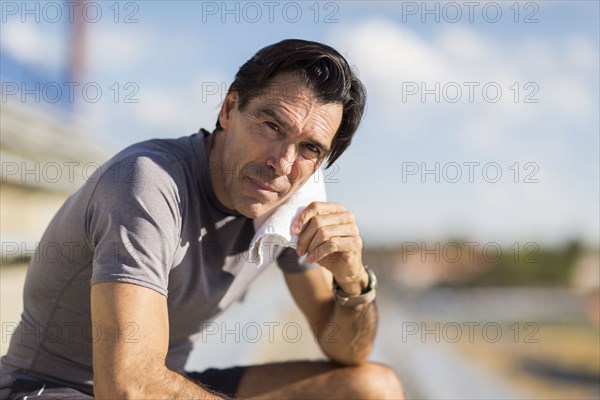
(283, 158)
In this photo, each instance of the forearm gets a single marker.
(347, 336)
(172, 385)
(158, 383)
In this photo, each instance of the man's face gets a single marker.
(268, 150)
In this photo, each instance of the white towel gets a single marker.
(273, 232)
(272, 236)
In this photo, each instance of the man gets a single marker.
(150, 249)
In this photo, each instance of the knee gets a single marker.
(375, 381)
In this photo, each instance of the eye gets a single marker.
(273, 126)
(313, 150)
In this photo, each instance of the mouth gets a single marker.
(263, 187)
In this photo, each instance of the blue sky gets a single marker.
(181, 56)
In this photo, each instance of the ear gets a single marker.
(229, 106)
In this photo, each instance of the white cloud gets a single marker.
(180, 108)
(581, 53)
(393, 60)
(35, 44)
(117, 47)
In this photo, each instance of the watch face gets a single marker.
(372, 278)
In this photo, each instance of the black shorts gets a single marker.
(224, 381)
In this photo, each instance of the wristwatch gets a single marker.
(366, 296)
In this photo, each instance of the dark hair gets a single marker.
(321, 68)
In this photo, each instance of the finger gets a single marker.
(318, 222)
(332, 246)
(329, 232)
(314, 208)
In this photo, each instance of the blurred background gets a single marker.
(474, 177)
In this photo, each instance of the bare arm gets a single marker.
(130, 346)
(345, 334)
(328, 235)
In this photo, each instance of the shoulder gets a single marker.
(152, 163)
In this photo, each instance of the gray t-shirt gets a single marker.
(150, 217)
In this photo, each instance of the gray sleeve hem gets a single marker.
(298, 270)
(129, 279)
(289, 262)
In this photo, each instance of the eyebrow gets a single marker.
(275, 115)
(282, 121)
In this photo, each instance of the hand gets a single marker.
(327, 234)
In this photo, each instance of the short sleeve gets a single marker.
(289, 262)
(134, 223)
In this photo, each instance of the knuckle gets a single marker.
(319, 222)
(339, 205)
(313, 206)
(350, 217)
(359, 242)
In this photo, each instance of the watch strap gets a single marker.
(367, 295)
(353, 301)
